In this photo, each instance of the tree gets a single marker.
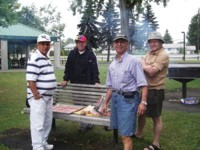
(126, 7)
(8, 9)
(89, 24)
(69, 40)
(147, 25)
(167, 37)
(109, 26)
(28, 16)
(51, 19)
(193, 34)
(45, 19)
(132, 29)
(149, 21)
(139, 37)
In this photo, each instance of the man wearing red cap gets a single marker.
(81, 66)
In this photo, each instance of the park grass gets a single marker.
(181, 129)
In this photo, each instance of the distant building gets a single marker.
(190, 49)
(175, 48)
(69, 46)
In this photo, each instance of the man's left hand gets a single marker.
(141, 109)
(97, 84)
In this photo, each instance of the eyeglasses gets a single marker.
(45, 43)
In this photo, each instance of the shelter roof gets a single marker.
(21, 33)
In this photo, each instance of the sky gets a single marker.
(175, 17)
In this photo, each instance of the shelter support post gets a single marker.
(4, 55)
(57, 50)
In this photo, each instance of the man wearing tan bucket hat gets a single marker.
(155, 65)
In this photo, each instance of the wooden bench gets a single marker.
(80, 95)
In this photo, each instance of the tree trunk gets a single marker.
(124, 17)
(124, 13)
(108, 55)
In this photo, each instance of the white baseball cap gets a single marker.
(43, 38)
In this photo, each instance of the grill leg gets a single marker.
(115, 135)
(184, 89)
(54, 124)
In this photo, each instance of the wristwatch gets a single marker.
(144, 102)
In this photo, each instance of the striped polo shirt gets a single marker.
(40, 70)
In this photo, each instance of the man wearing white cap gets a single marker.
(41, 83)
(155, 65)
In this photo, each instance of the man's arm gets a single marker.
(143, 103)
(68, 67)
(32, 86)
(149, 69)
(159, 64)
(95, 70)
(107, 99)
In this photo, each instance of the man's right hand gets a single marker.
(37, 96)
(63, 83)
(104, 109)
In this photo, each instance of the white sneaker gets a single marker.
(39, 148)
(48, 146)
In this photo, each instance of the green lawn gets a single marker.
(181, 130)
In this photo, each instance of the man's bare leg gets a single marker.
(140, 126)
(127, 142)
(158, 126)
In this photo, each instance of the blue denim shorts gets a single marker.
(124, 113)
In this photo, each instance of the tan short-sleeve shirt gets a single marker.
(159, 60)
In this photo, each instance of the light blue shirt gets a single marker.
(125, 75)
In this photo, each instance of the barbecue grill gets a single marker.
(184, 73)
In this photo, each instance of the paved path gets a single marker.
(172, 101)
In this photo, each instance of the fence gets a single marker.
(103, 58)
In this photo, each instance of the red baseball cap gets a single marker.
(81, 38)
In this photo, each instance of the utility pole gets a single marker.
(183, 45)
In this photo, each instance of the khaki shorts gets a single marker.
(154, 102)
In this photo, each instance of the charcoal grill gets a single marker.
(184, 73)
